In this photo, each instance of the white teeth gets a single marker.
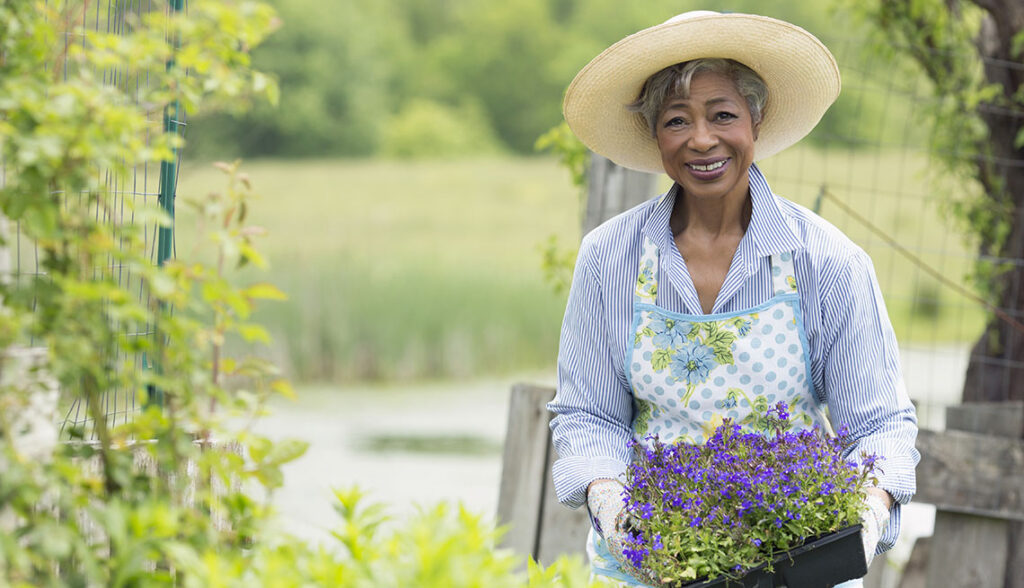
(705, 168)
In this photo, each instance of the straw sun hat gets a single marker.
(800, 72)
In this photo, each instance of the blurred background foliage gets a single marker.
(413, 78)
(409, 212)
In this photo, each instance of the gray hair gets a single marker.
(675, 80)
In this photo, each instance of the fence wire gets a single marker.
(140, 188)
(883, 188)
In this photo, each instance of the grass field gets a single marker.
(401, 270)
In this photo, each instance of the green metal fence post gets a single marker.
(168, 188)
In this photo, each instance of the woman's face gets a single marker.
(707, 140)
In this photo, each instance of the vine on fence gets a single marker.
(973, 54)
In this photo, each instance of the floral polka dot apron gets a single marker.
(689, 372)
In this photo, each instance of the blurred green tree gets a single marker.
(348, 75)
(335, 70)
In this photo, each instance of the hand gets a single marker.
(604, 497)
(874, 519)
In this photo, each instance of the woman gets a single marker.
(701, 97)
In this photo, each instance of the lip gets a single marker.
(708, 175)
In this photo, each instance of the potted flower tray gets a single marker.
(822, 563)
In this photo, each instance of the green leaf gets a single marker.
(284, 388)
(287, 450)
(253, 332)
(661, 358)
(721, 343)
(264, 291)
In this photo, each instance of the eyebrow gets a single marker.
(685, 102)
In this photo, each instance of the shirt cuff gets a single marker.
(892, 532)
(572, 475)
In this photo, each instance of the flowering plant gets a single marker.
(736, 502)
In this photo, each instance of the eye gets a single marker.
(724, 116)
(675, 121)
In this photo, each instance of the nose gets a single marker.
(703, 137)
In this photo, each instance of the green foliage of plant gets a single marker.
(557, 262)
(440, 546)
(145, 501)
(352, 321)
(334, 69)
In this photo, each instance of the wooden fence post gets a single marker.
(612, 189)
(974, 474)
(538, 525)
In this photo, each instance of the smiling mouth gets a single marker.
(709, 167)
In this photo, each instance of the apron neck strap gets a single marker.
(783, 275)
(646, 289)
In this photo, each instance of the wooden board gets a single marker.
(1001, 419)
(975, 477)
(915, 572)
(612, 189)
(562, 530)
(972, 552)
(971, 473)
(524, 467)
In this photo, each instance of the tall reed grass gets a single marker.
(403, 270)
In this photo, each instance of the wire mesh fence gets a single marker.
(146, 185)
(879, 182)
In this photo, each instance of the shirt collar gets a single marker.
(769, 231)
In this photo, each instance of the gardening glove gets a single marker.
(874, 519)
(610, 519)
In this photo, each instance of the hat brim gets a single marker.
(801, 75)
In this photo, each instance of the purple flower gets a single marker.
(646, 510)
(734, 486)
(782, 411)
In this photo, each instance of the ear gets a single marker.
(756, 128)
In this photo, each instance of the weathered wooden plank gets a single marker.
(523, 469)
(972, 552)
(1001, 419)
(877, 572)
(979, 459)
(1015, 557)
(971, 473)
(612, 189)
(562, 530)
(915, 572)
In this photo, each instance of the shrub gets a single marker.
(428, 129)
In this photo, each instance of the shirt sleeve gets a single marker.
(593, 408)
(864, 384)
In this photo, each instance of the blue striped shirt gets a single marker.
(853, 350)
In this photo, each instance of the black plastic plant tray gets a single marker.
(822, 563)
